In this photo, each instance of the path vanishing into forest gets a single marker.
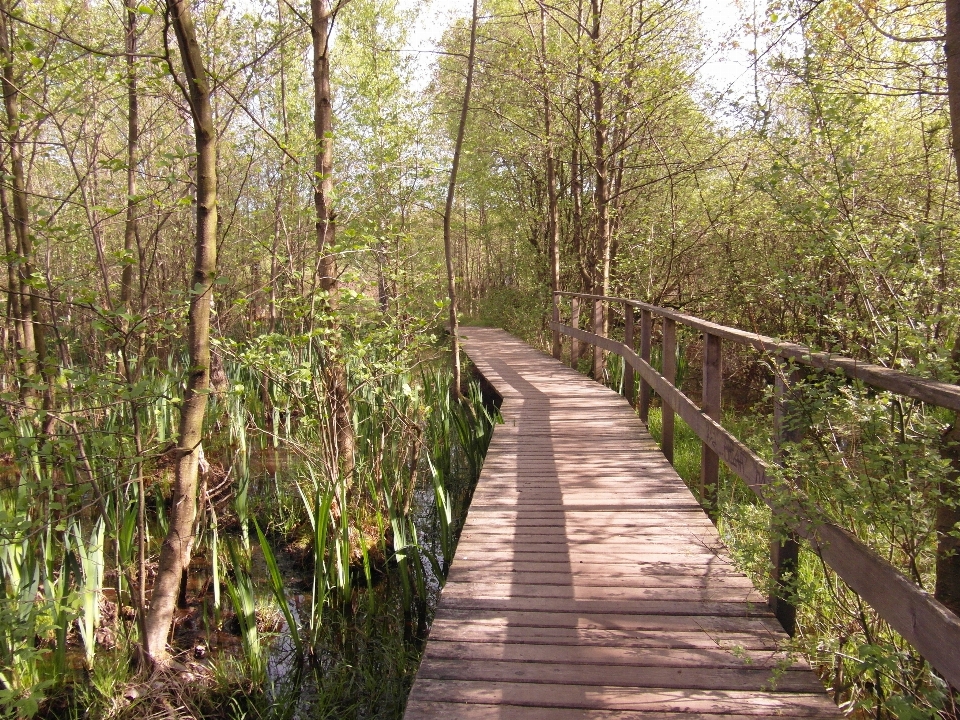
(588, 582)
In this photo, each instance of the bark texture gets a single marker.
(948, 513)
(335, 373)
(29, 331)
(177, 546)
(133, 144)
(553, 206)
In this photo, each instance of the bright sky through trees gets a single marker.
(726, 69)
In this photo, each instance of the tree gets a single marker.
(178, 545)
(322, 16)
(448, 208)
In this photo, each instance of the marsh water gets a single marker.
(369, 644)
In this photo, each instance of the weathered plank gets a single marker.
(588, 582)
(599, 697)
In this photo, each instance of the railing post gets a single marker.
(670, 373)
(556, 320)
(575, 324)
(598, 330)
(712, 383)
(784, 547)
(646, 332)
(629, 382)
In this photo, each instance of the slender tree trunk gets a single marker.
(601, 194)
(576, 177)
(576, 197)
(948, 512)
(14, 317)
(448, 210)
(553, 207)
(133, 143)
(33, 346)
(131, 250)
(278, 226)
(321, 24)
(177, 547)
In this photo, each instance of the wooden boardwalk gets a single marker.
(588, 582)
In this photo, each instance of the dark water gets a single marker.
(369, 646)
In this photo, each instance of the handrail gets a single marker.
(923, 621)
(929, 391)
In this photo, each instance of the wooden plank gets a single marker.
(629, 380)
(646, 334)
(709, 459)
(621, 698)
(598, 356)
(570, 651)
(638, 567)
(615, 621)
(598, 579)
(684, 678)
(687, 608)
(470, 631)
(493, 590)
(427, 710)
(556, 334)
(575, 322)
(669, 356)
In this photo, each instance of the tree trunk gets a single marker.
(177, 547)
(576, 177)
(335, 379)
(448, 210)
(33, 356)
(14, 317)
(133, 141)
(948, 513)
(130, 248)
(601, 193)
(553, 208)
(600, 267)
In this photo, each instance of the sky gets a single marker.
(726, 69)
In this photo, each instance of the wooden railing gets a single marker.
(925, 623)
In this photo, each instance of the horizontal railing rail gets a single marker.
(923, 621)
(929, 391)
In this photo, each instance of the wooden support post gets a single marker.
(556, 319)
(629, 380)
(646, 332)
(784, 547)
(712, 383)
(575, 324)
(597, 350)
(670, 373)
